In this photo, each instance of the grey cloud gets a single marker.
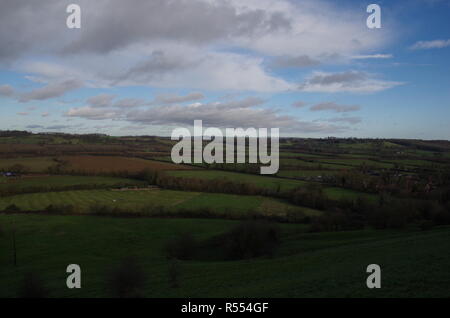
(349, 120)
(104, 126)
(51, 90)
(225, 115)
(89, 112)
(155, 67)
(58, 127)
(344, 77)
(330, 106)
(109, 26)
(34, 126)
(133, 128)
(240, 113)
(130, 102)
(294, 62)
(22, 113)
(299, 104)
(102, 100)
(244, 103)
(195, 22)
(173, 99)
(349, 81)
(6, 90)
(207, 36)
(107, 100)
(19, 30)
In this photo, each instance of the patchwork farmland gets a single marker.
(346, 202)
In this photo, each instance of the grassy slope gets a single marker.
(66, 181)
(261, 181)
(269, 182)
(135, 200)
(306, 173)
(306, 265)
(358, 162)
(98, 164)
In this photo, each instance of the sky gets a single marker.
(310, 68)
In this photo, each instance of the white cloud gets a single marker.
(246, 112)
(194, 44)
(435, 44)
(373, 56)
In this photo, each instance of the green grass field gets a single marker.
(415, 162)
(37, 164)
(336, 193)
(413, 263)
(413, 256)
(66, 181)
(135, 201)
(316, 165)
(358, 162)
(257, 180)
(270, 182)
(301, 155)
(305, 173)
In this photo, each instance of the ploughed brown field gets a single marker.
(99, 164)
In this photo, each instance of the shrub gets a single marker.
(174, 273)
(442, 217)
(60, 209)
(99, 209)
(12, 208)
(250, 239)
(182, 247)
(128, 280)
(32, 287)
(397, 219)
(426, 225)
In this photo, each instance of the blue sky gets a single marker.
(310, 68)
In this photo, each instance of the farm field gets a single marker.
(415, 163)
(307, 264)
(315, 165)
(305, 173)
(302, 155)
(249, 152)
(102, 164)
(143, 202)
(36, 164)
(269, 182)
(358, 162)
(98, 200)
(50, 182)
(257, 180)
